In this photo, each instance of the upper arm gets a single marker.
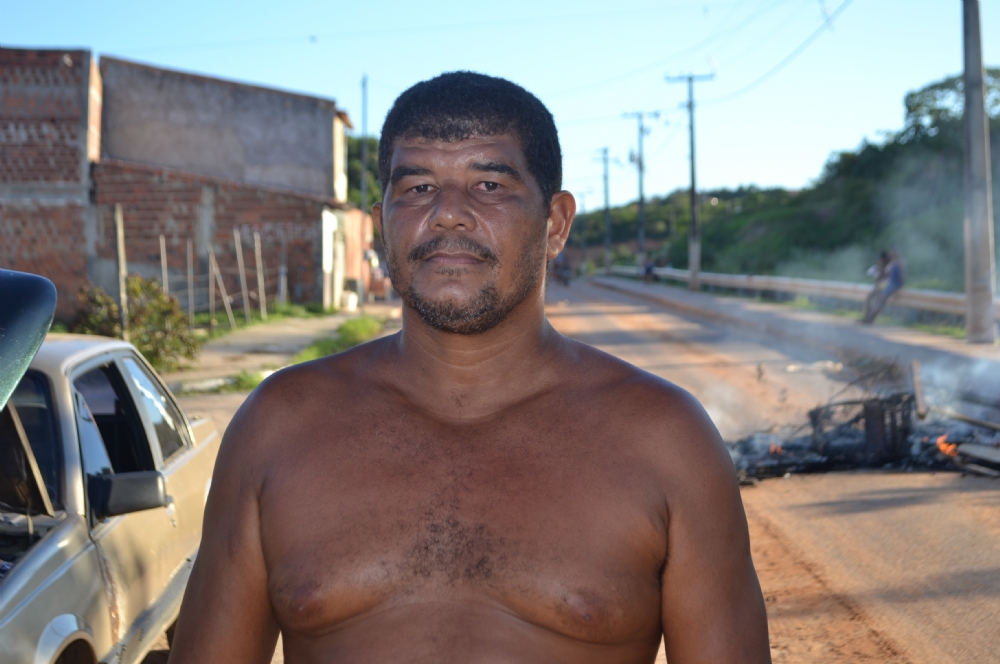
(713, 610)
(226, 615)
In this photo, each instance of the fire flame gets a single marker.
(775, 449)
(951, 449)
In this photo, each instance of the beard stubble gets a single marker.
(484, 310)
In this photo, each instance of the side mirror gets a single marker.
(124, 493)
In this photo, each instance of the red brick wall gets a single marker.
(42, 97)
(165, 201)
(46, 240)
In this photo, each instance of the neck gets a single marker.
(464, 377)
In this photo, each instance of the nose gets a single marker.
(452, 211)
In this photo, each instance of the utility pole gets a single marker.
(980, 267)
(641, 166)
(694, 232)
(607, 215)
(364, 145)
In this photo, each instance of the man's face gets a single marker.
(466, 230)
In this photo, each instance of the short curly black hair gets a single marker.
(463, 104)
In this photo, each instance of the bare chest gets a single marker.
(543, 521)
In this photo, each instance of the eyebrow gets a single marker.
(496, 167)
(406, 171)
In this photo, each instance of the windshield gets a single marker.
(34, 407)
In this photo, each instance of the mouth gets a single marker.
(453, 252)
(459, 258)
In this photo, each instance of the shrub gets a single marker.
(353, 332)
(157, 325)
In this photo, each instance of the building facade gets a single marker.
(187, 157)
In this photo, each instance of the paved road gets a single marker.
(855, 567)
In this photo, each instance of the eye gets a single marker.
(421, 189)
(490, 186)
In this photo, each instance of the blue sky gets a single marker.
(588, 61)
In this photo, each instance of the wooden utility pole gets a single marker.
(261, 296)
(639, 160)
(364, 144)
(694, 231)
(238, 241)
(164, 276)
(980, 266)
(122, 271)
(607, 214)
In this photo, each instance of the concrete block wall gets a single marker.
(49, 240)
(223, 128)
(184, 205)
(48, 133)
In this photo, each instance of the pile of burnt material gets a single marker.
(878, 432)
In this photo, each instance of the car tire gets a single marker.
(78, 652)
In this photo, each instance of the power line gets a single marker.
(356, 34)
(781, 65)
(715, 36)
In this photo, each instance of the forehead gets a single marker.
(505, 148)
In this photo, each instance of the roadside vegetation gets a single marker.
(904, 192)
(351, 333)
(157, 326)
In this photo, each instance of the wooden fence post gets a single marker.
(261, 295)
(243, 275)
(222, 287)
(122, 271)
(190, 284)
(165, 277)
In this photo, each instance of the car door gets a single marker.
(186, 470)
(113, 439)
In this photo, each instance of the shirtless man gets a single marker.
(477, 487)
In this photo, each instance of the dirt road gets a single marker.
(855, 567)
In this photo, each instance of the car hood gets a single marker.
(27, 304)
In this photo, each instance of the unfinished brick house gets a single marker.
(187, 157)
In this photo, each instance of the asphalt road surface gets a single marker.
(855, 567)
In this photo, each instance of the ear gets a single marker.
(377, 219)
(562, 211)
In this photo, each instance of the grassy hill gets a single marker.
(903, 193)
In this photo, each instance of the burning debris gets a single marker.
(886, 432)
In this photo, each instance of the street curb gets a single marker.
(980, 375)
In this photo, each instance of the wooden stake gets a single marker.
(261, 296)
(190, 284)
(243, 274)
(222, 287)
(211, 291)
(165, 277)
(122, 271)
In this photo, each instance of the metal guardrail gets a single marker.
(912, 298)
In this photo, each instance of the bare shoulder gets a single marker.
(656, 419)
(297, 397)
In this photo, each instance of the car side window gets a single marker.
(110, 404)
(92, 449)
(166, 419)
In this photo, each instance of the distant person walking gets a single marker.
(648, 275)
(889, 278)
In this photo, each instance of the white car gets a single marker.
(103, 482)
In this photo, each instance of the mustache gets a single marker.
(460, 243)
